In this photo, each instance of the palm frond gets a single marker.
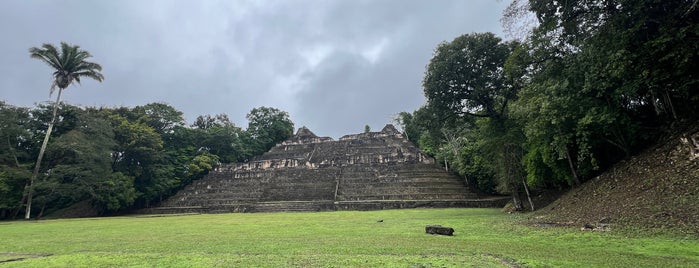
(66, 54)
(69, 64)
(48, 54)
(90, 74)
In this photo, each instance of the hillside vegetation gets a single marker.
(656, 190)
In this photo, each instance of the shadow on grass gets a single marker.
(13, 256)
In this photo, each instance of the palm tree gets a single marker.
(70, 65)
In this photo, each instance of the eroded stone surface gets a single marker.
(373, 170)
(439, 230)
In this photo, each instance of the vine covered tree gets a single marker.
(70, 65)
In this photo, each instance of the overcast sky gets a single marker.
(335, 66)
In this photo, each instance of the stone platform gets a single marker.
(368, 171)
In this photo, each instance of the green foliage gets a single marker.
(15, 155)
(161, 117)
(80, 165)
(268, 126)
(466, 77)
(121, 158)
(455, 143)
(208, 121)
(473, 162)
(12, 183)
(594, 82)
(202, 164)
(596, 77)
(501, 148)
(221, 137)
(638, 54)
(114, 193)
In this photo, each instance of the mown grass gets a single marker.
(483, 238)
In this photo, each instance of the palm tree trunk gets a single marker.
(28, 211)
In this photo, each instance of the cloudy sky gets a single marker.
(335, 66)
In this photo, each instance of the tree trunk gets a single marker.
(517, 201)
(41, 212)
(35, 174)
(14, 153)
(668, 100)
(529, 197)
(572, 168)
(21, 202)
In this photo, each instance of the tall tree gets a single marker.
(268, 126)
(70, 64)
(467, 79)
(139, 154)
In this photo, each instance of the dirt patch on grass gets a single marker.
(504, 261)
(655, 190)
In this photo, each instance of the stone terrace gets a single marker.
(368, 171)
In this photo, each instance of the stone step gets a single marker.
(416, 196)
(240, 194)
(320, 205)
(398, 190)
(396, 204)
(172, 210)
(402, 183)
(374, 170)
(327, 205)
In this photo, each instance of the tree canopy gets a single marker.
(268, 126)
(592, 83)
(466, 76)
(118, 159)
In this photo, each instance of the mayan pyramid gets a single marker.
(367, 171)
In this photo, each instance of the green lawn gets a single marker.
(483, 238)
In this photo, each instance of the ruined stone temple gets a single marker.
(368, 171)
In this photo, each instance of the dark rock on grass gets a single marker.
(439, 230)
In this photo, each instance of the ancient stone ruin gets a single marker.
(439, 230)
(367, 171)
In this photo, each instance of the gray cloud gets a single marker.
(333, 65)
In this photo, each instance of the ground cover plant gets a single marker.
(389, 238)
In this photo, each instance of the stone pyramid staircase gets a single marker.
(368, 171)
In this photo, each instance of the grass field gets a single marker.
(482, 238)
